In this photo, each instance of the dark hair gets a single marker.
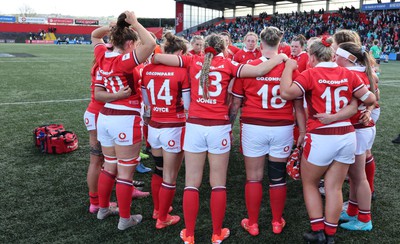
(271, 36)
(322, 50)
(215, 41)
(173, 43)
(122, 33)
(301, 39)
(364, 58)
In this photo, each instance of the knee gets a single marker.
(276, 173)
(95, 150)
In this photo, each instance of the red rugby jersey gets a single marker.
(327, 88)
(231, 51)
(286, 49)
(94, 105)
(117, 72)
(302, 61)
(360, 72)
(164, 86)
(245, 56)
(262, 103)
(221, 72)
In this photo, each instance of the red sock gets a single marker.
(352, 209)
(124, 190)
(105, 186)
(277, 199)
(364, 215)
(166, 195)
(253, 196)
(370, 171)
(94, 198)
(156, 182)
(218, 207)
(190, 208)
(330, 228)
(317, 224)
(145, 134)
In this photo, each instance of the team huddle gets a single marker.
(323, 101)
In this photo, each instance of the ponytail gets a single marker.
(205, 70)
(214, 45)
(369, 71)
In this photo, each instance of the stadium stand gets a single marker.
(379, 25)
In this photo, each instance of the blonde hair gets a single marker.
(321, 52)
(271, 36)
(364, 58)
(250, 34)
(195, 38)
(346, 36)
(214, 41)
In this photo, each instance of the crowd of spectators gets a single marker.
(381, 25)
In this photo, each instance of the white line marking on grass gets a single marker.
(48, 101)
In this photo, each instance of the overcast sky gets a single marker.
(142, 8)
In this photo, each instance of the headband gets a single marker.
(345, 54)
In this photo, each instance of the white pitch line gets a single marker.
(48, 101)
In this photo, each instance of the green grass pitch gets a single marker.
(44, 197)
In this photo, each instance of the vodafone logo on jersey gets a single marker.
(286, 149)
(224, 142)
(122, 136)
(171, 143)
(86, 121)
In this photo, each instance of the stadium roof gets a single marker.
(230, 4)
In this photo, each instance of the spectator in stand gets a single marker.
(197, 44)
(250, 51)
(298, 52)
(230, 50)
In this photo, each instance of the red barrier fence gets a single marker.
(34, 28)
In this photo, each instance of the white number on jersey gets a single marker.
(115, 86)
(215, 82)
(163, 94)
(263, 92)
(327, 95)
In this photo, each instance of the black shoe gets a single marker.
(315, 237)
(138, 184)
(330, 239)
(397, 140)
(373, 196)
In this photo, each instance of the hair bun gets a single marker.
(121, 23)
(169, 37)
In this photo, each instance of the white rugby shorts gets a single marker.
(365, 139)
(90, 120)
(169, 139)
(123, 130)
(322, 150)
(215, 139)
(258, 140)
